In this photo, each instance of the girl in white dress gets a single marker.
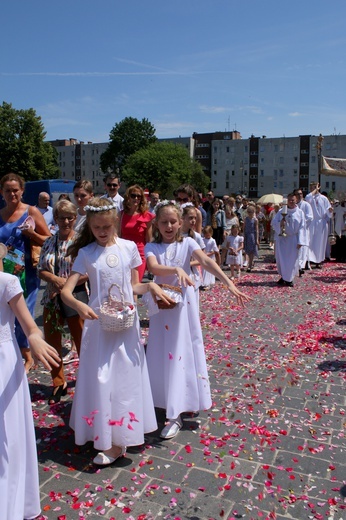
(234, 245)
(211, 250)
(19, 485)
(112, 406)
(175, 351)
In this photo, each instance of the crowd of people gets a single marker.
(93, 257)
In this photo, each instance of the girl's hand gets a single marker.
(86, 312)
(183, 278)
(159, 294)
(241, 297)
(43, 352)
(59, 283)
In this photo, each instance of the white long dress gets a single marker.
(210, 247)
(113, 402)
(19, 486)
(304, 250)
(175, 352)
(286, 250)
(319, 227)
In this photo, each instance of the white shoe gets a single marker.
(172, 427)
(70, 357)
(102, 459)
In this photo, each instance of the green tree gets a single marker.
(163, 167)
(126, 138)
(22, 146)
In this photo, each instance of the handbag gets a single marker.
(79, 292)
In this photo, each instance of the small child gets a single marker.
(188, 229)
(251, 237)
(234, 245)
(211, 250)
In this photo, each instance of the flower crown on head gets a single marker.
(100, 208)
(166, 202)
(187, 205)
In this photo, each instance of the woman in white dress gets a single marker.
(19, 485)
(175, 351)
(113, 405)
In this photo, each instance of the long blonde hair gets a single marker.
(95, 206)
(157, 237)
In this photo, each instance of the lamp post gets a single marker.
(319, 156)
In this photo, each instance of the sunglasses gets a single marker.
(185, 199)
(112, 185)
(135, 196)
(62, 219)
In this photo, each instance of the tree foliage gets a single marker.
(162, 167)
(126, 138)
(22, 146)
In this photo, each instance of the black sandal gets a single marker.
(57, 394)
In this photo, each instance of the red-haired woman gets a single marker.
(135, 222)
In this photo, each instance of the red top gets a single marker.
(134, 227)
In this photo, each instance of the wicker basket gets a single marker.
(115, 314)
(168, 288)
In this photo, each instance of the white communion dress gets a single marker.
(113, 401)
(175, 352)
(19, 485)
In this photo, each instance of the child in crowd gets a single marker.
(19, 484)
(234, 244)
(251, 237)
(188, 229)
(211, 250)
(175, 352)
(112, 406)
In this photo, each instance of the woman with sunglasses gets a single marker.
(187, 193)
(135, 222)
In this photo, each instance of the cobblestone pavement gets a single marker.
(271, 447)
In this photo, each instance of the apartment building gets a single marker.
(79, 160)
(252, 166)
(260, 165)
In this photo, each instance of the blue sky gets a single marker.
(264, 67)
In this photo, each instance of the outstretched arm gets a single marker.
(212, 267)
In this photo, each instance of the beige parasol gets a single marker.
(270, 198)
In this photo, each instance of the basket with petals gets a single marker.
(116, 314)
(173, 292)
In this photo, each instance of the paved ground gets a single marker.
(271, 447)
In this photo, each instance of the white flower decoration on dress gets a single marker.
(100, 208)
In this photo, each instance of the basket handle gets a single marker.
(120, 292)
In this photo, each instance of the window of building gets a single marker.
(333, 186)
(276, 148)
(295, 159)
(227, 185)
(327, 184)
(281, 160)
(233, 173)
(227, 175)
(214, 185)
(215, 161)
(313, 159)
(227, 149)
(215, 172)
(262, 173)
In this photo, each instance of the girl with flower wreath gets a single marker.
(113, 405)
(175, 351)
